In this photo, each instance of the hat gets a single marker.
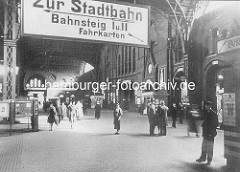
(208, 103)
(162, 103)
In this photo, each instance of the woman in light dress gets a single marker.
(79, 109)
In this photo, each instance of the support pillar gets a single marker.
(10, 55)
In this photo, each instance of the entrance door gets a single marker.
(215, 89)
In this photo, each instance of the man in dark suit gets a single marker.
(209, 126)
(151, 117)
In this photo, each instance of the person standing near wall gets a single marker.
(209, 126)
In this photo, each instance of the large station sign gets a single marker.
(88, 20)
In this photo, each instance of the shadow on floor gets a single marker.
(203, 167)
(186, 137)
(15, 132)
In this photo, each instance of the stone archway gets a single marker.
(212, 83)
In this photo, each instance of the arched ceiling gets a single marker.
(181, 9)
(40, 53)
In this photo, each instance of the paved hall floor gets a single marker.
(91, 146)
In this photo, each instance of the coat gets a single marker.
(151, 115)
(161, 117)
(52, 115)
(209, 124)
(116, 118)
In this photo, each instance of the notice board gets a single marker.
(4, 109)
(23, 108)
(229, 109)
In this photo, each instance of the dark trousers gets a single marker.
(163, 130)
(174, 122)
(152, 126)
(181, 117)
(207, 148)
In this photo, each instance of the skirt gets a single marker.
(116, 124)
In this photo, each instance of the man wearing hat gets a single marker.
(209, 126)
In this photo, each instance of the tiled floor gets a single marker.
(91, 146)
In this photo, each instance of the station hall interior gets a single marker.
(60, 51)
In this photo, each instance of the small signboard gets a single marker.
(87, 20)
(1, 90)
(229, 109)
(35, 107)
(23, 109)
(228, 44)
(4, 109)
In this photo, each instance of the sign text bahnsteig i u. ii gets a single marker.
(85, 19)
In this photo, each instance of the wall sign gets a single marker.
(4, 109)
(86, 19)
(1, 90)
(229, 109)
(23, 108)
(228, 44)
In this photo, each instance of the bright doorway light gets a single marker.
(88, 67)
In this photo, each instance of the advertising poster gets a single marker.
(23, 109)
(229, 109)
(4, 109)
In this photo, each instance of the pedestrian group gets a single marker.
(157, 114)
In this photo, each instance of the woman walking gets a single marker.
(79, 110)
(191, 121)
(174, 114)
(52, 116)
(97, 110)
(117, 116)
(72, 113)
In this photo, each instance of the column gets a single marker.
(10, 35)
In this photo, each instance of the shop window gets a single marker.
(134, 60)
(126, 60)
(119, 65)
(130, 60)
(122, 60)
(161, 75)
